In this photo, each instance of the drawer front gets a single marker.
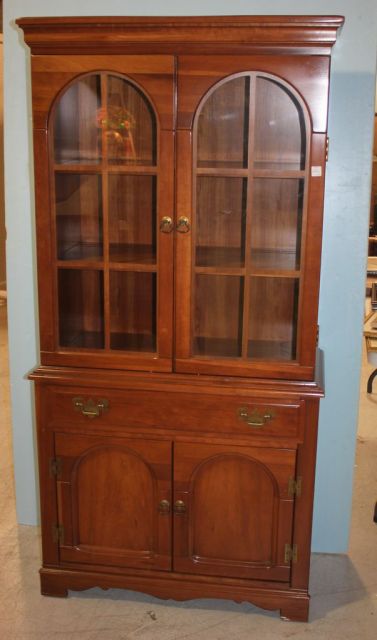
(195, 412)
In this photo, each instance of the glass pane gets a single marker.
(129, 124)
(133, 311)
(218, 316)
(220, 221)
(273, 318)
(132, 218)
(76, 133)
(222, 134)
(80, 308)
(277, 223)
(78, 216)
(279, 128)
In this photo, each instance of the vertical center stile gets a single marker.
(249, 211)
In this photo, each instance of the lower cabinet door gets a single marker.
(232, 510)
(114, 499)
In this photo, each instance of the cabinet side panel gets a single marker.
(303, 515)
(47, 484)
(313, 243)
(44, 244)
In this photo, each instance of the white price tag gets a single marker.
(316, 172)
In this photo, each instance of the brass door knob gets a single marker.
(164, 507)
(179, 507)
(183, 224)
(166, 224)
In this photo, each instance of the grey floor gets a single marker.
(343, 588)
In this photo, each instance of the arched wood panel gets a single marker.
(238, 512)
(109, 492)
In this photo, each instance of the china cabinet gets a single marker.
(179, 178)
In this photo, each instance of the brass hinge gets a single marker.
(294, 487)
(58, 533)
(55, 466)
(290, 553)
(327, 148)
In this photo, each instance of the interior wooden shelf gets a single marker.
(216, 259)
(269, 165)
(219, 256)
(138, 254)
(258, 170)
(78, 161)
(137, 342)
(86, 251)
(286, 260)
(218, 172)
(82, 339)
(231, 348)
(278, 173)
(100, 167)
(120, 255)
(270, 350)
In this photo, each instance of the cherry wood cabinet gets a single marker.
(179, 179)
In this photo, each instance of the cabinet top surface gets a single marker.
(304, 34)
(180, 20)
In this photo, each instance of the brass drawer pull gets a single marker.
(255, 419)
(164, 507)
(179, 507)
(89, 408)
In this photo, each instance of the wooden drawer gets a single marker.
(196, 412)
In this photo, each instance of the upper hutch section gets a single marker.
(179, 190)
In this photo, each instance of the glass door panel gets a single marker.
(78, 205)
(132, 218)
(220, 221)
(106, 184)
(279, 128)
(81, 312)
(223, 125)
(133, 324)
(77, 136)
(249, 198)
(129, 124)
(218, 315)
(273, 315)
(276, 223)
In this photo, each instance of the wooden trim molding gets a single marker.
(193, 34)
(181, 382)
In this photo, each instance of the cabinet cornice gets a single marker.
(192, 34)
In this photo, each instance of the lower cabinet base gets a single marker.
(293, 604)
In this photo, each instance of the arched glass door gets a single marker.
(249, 202)
(105, 172)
